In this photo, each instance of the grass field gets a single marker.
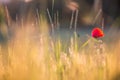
(30, 57)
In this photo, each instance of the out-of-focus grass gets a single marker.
(32, 55)
(47, 59)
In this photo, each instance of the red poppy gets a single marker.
(97, 33)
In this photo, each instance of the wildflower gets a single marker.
(97, 33)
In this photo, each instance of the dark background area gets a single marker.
(110, 8)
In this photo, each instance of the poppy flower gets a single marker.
(97, 33)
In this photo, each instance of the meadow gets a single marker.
(33, 54)
(38, 49)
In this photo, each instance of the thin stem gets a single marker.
(76, 19)
(103, 24)
(50, 18)
(7, 16)
(57, 19)
(38, 16)
(71, 22)
(96, 17)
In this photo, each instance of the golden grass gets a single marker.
(44, 58)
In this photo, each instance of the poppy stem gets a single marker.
(101, 58)
(99, 47)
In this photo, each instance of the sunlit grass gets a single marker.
(48, 59)
(32, 54)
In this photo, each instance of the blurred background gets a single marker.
(89, 12)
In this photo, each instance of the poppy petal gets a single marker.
(97, 33)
